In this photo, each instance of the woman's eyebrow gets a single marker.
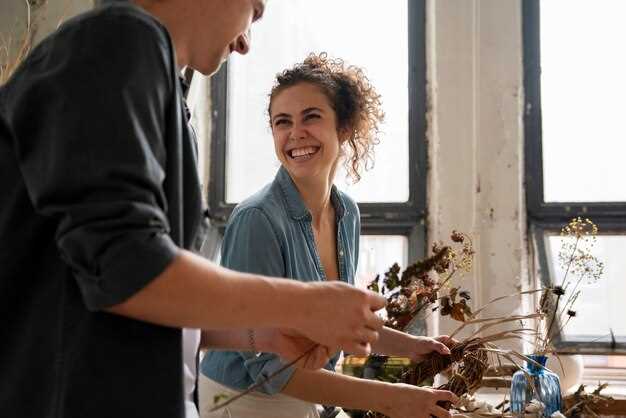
(312, 109)
(281, 115)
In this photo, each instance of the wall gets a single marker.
(475, 139)
(44, 17)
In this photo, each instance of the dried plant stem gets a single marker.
(510, 335)
(501, 353)
(512, 295)
(265, 380)
(7, 68)
(558, 298)
(562, 327)
(447, 279)
(498, 320)
(515, 354)
(436, 363)
(504, 321)
(415, 317)
(572, 297)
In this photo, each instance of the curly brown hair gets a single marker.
(356, 103)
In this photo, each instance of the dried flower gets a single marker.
(580, 228)
(421, 283)
(558, 290)
(578, 238)
(373, 286)
(465, 294)
(457, 236)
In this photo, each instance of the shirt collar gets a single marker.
(295, 205)
(184, 88)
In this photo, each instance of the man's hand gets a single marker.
(339, 315)
(291, 345)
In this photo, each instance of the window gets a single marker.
(575, 136)
(387, 40)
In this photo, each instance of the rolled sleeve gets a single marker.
(261, 367)
(94, 158)
(251, 244)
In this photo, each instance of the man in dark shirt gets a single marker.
(100, 206)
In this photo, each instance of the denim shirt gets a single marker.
(271, 233)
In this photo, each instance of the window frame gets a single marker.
(384, 218)
(544, 216)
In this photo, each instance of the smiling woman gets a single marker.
(301, 226)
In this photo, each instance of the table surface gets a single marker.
(496, 396)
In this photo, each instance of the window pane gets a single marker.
(371, 35)
(600, 306)
(582, 92)
(377, 253)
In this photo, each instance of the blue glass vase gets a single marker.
(543, 385)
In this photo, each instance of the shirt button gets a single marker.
(341, 253)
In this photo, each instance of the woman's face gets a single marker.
(305, 133)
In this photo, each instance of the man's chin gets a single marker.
(210, 68)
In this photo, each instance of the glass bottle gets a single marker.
(536, 383)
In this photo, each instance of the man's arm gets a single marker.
(195, 293)
(94, 159)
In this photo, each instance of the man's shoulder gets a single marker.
(120, 28)
(109, 41)
(114, 15)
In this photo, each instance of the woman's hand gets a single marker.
(291, 345)
(407, 401)
(422, 346)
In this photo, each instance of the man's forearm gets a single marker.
(232, 340)
(195, 293)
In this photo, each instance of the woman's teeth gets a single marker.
(303, 153)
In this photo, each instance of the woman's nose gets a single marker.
(297, 131)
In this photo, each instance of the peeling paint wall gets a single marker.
(475, 138)
(44, 17)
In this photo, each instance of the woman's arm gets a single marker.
(393, 400)
(401, 344)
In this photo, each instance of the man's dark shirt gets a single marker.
(98, 189)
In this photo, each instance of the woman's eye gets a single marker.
(280, 122)
(311, 116)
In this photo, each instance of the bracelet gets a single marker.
(251, 340)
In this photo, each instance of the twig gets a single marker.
(526, 292)
(558, 298)
(498, 320)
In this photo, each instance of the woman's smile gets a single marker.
(303, 154)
